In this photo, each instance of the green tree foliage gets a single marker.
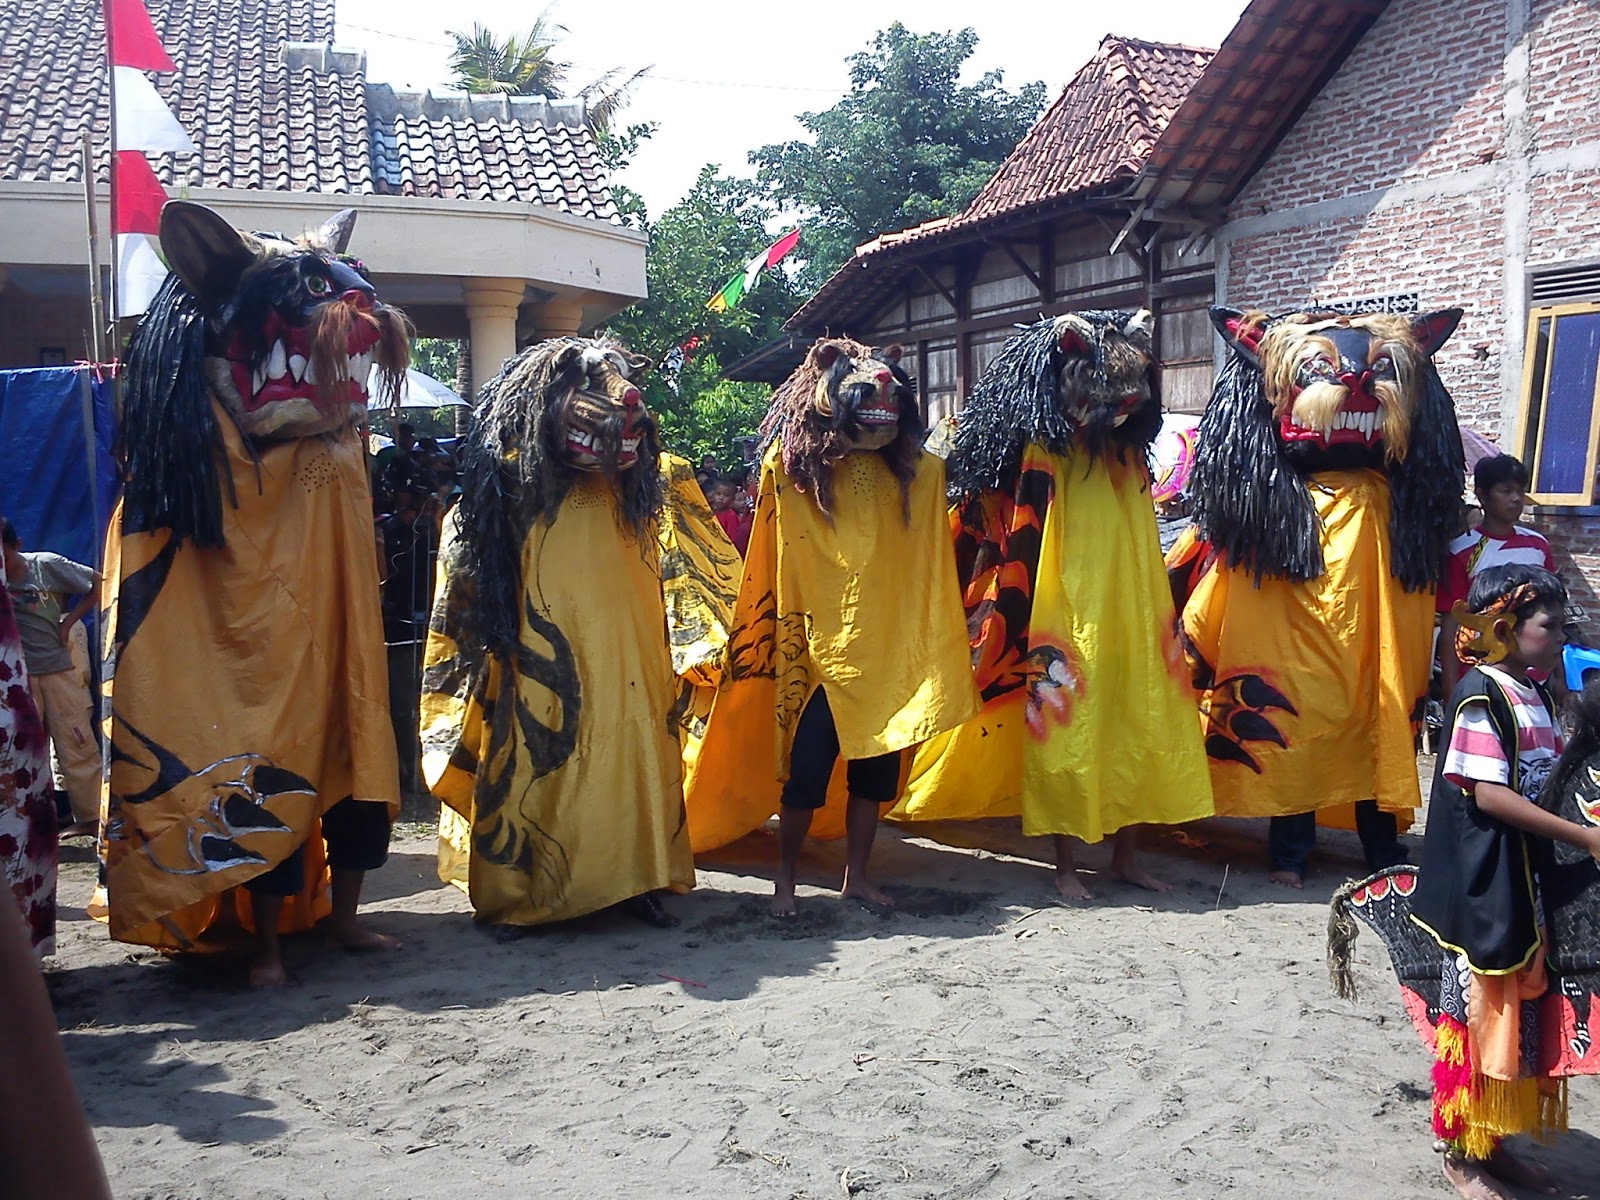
(907, 143)
(694, 247)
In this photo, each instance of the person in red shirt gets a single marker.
(1501, 485)
(723, 496)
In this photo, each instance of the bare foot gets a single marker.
(864, 893)
(1288, 879)
(783, 894)
(1472, 1180)
(1519, 1172)
(1129, 871)
(356, 936)
(1071, 887)
(268, 973)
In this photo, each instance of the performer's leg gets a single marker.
(793, 825)
(267, 894)
(1125, 863)
(1067, 882)
(266, 966)
(1289, 843)
(815, 750)
(357, 836)
(874, 782)
(1380, 836)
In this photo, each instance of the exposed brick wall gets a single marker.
(1448, 251)
(1418, 98)
(1421, 104)
(1564, 75)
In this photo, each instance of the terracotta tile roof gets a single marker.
(1097, 134)
(272, 105)
(1101, 128)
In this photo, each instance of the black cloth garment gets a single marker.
(1475, 884)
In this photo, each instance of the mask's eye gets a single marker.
(1317, 367)
(318, 285)
(1383, 365)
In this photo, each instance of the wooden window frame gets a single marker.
(1531, 440)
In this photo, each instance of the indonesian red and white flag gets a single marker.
(132, 40)
(144, 125)
(144, 122)
(140, 271)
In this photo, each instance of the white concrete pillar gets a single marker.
(492, 318)
(556, 318)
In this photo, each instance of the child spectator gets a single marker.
(732, 510)
(1501, 484)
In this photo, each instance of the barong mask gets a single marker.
(1079, 382)
(845, 398)
(283, 334)
(293, 328)
(601, 418)
(558, 411)
(1311, 391)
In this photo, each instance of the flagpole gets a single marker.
(111, 93)
(97, 315)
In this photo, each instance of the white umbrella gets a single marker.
(418, 391)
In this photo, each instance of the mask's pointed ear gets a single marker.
(1241, 330)
(207, 253)
(1074, 335)
(892, 353)
(824, 354)
(1433, 329)
(334, 233)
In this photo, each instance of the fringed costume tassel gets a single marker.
(1473, 1112)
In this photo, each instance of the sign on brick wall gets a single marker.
(1401, 302)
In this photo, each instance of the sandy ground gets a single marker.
(981, 1042)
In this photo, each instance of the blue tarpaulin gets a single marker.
(57, 478)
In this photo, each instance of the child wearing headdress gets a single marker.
(1477, 888)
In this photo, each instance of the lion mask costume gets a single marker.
(550, 704)
(1068, 613)
(245, 665)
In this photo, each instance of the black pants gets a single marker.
(357, 837)
(1290, 839)
(816, 749)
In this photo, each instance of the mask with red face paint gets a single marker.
(1350, 383)
(293, 328)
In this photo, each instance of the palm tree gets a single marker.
(527, 66)
(518, 66)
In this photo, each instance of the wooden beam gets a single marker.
(955, 305)
(1022, 265)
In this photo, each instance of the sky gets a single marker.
(731, 75)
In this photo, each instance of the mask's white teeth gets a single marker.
(297, 367)
(310, 375)
(258, 380)
(630, 444)
(277, 362)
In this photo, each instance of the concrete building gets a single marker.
(486, 218)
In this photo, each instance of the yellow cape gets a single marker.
(864, 607)
(563, 788)
(1309, 691)
(247, 690)
(1100, 735)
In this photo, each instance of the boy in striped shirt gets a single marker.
(1501, 485)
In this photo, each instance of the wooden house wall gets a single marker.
(956, 312)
